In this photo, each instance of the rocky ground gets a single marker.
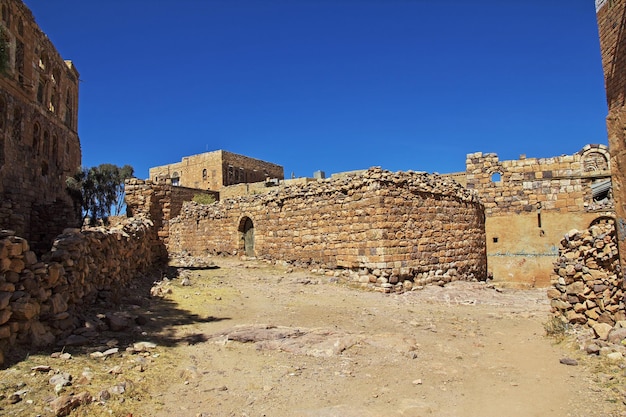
(245, 338)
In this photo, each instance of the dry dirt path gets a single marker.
(274, 342)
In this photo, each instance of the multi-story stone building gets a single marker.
(39, 144)
(611, 17)
(531, 203)
(217, 169)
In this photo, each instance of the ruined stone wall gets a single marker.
(385, 228)
(158, 202)
(531, 202)
(39, 145)
(611, 17)
(214, 170)
(41, 298)
(587, 286)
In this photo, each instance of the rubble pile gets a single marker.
(587, 287)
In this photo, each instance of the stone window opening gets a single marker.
(175, 179)
(3, 114)
(495, 240)
(6, 17)
(20, 27)
(36, 139)
(69, 109)
(204, 174)
(55, 149)
(41, 88)
(19, 61)
(17, 124)
(46, 144)
(44, 169)
(496, 177)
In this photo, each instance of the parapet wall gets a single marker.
(388, 227)
(40, 300)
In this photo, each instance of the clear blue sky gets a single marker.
(332, 85)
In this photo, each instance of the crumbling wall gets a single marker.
(41, 299)
(385, 227)
(39, 144)
(531, 202)
(587, 286)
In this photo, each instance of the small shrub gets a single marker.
(555, 327)
(204, 199)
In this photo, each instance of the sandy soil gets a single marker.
(275, 342)
(250, 339)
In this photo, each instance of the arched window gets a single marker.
(55, 148)
(20, 27)
(17, 125)
(496, 177)
(41, 89)
(69, 109)
(3, 114)
(36, 139)
(5, 15)
(175, 178)
(204, 174)
(46, 144)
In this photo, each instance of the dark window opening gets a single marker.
(495, 240)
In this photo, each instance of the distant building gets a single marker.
(39, 145)
(215, 170)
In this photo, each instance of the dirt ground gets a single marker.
(250, 339)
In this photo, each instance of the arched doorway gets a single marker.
(246, 236)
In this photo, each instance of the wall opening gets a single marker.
(496, 177)
(246, 236)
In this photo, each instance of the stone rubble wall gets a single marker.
(587, 284)
(41, 299)
(389, 230)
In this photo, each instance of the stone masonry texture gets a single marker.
(39, 145)
(217, 169)
(385, 227)
(611, 17)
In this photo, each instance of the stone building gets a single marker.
(389, 230)
(611, 17)
(531, 203)
(217, 169)
(39, 144)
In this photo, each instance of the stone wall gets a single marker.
(158, 202)
(385, 227)
(531, 202)
(611, 17)
(587, 284)
(41, 299)
(39, 144)
(214, 170)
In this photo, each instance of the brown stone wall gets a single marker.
(611, 17)
(383, 228)
(41, 298)
(214, 170)
(531, 203)
(39, 145)
(158, 202)
(587, 286)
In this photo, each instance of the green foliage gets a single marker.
(204, 199)
(98, 190)
(4, 52)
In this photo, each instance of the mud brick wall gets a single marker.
(41, 299)
(384, 227)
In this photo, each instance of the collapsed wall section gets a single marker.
(41, 299)
(384, 227)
